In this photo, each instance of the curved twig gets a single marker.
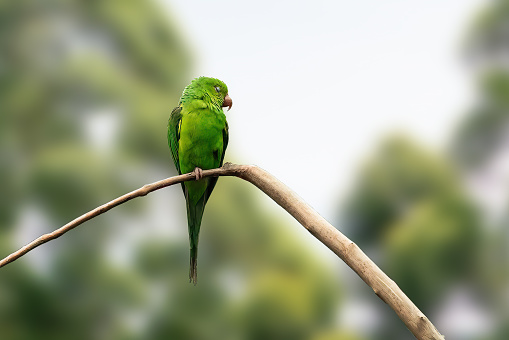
(347, 250)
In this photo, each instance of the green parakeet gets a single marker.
(198, 136)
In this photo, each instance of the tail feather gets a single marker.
(194, 216)
(193, 273)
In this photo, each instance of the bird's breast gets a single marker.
(201, 139)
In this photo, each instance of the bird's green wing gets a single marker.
(213, 180)
(225, 142)
(174, 135)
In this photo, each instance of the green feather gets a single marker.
(198, 136)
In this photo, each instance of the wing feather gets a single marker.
(174, 135)
(225, 142)
(213, 180)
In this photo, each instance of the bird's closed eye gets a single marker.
(218, 89)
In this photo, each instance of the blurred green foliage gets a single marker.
(85, 91)
(485, 126)
(409, 205)
(484, 130)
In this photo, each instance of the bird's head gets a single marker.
(211, 90)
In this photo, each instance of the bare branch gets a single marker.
(344, 248)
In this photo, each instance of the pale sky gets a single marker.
(315, 85)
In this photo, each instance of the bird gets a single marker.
(198, 137)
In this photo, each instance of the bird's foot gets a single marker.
(198, 173)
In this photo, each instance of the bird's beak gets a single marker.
(227, 102)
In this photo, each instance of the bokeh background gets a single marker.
(404, 105)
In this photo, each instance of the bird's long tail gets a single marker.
(194, 215)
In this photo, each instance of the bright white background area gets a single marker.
(317, 84)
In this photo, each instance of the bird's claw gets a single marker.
(198, 173)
